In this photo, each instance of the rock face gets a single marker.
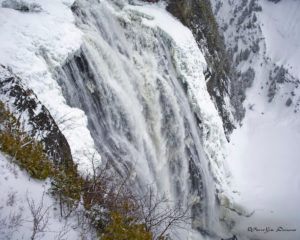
(34, 116)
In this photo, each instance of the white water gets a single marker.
(128, 79)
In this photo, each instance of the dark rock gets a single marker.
(255, 46)
(248, 78)
(37, 119)
(276, 76)
(288, 102)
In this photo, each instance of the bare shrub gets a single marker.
(10, 224)
(61, 235)
(40, 216)
(106, 193)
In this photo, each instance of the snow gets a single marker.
(281, 29)
(264, 151)
(16, 220)
(32, 44)
(265, 162)
(168, 23)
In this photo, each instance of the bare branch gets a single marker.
(40, 216)
(63, 232)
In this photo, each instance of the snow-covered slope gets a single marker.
(280, 27)
(264, 159)
(32, 44)
(25, 206)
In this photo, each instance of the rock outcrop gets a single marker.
(34, 116)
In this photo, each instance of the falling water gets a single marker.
(124, 79)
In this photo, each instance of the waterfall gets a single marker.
(129, 81)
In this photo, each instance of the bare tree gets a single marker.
(66, 122)
(63, 232)
(10, 224)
